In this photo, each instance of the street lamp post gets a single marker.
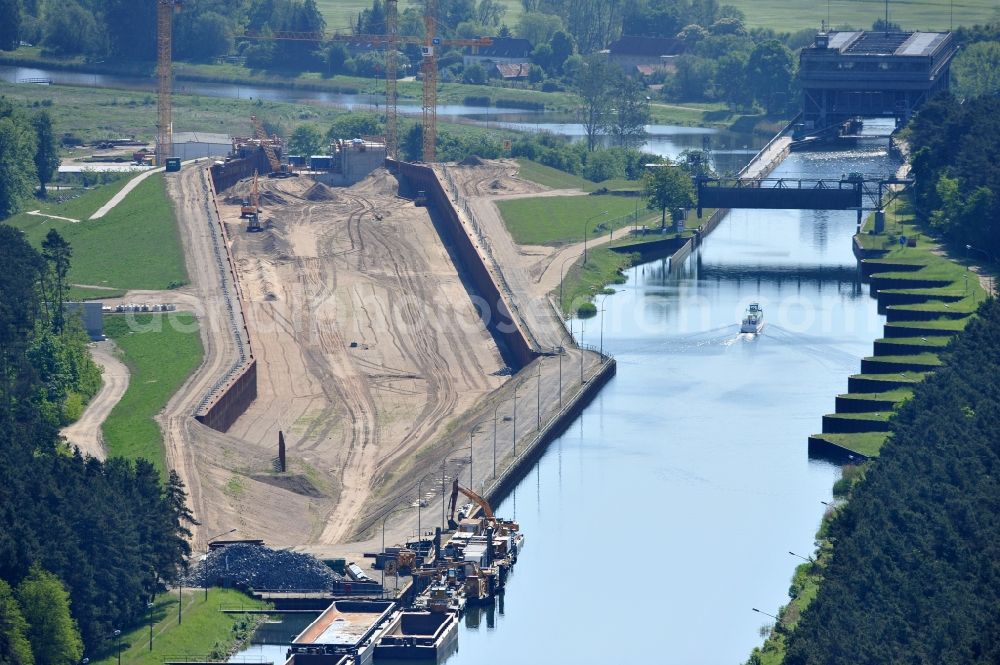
(582, 354)
(585, 225)
(765, 614)
(562, 352)
(514, 437)
(420, 504)
(118, 641)
(538, 398)
(602, 327)
(149, 611)
(208, 550)
(806, 559)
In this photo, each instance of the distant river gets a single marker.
(732, 149)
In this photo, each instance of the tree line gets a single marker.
(914, 575)
(956, 163)
(29, 154)
(83, 543)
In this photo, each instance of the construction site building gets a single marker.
(195, 145)
(349, 161)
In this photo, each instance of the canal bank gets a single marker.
(928, 298)
(695, 449)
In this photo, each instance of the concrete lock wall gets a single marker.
(228, 174)
(233, 398)
(513, 344)
(233, 401)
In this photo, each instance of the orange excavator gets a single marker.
(475, 498)
(250, 209)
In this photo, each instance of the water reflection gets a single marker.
(689, 478)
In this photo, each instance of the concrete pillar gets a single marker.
(281, 452)
(879, 221)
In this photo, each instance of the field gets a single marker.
(789, 16)
(203, 630)
(781, 15)
(134, 246)
(561, 220)
(161, 351)
(340, 13)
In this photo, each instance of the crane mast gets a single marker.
(165, 10)
(430, 81)
(392, 35)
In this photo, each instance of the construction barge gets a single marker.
(471, 568)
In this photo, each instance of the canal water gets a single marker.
(668, 510)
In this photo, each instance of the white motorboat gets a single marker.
(753, 321)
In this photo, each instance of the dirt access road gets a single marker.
(86, 432)
(371, 359)
(368, 348)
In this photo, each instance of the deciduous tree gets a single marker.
(14, 646)
(17, 159)
(10, 24)
(668, 187)
(52, 631)
(594, 85)
(306, 140)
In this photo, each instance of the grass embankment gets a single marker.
(161, 351)
(556, 179)
(919, 350)
(784, 16)
(957, 295)
(204, 632)
(135, 246)
(561, 220)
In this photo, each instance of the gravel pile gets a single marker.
(257, 567)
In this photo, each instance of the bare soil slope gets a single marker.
(367, 343)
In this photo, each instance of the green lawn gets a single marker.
(950, 325)
(161, 351)
(902, 377)
(789, 16)
(339, 13)
(203, 631)
(135, 246)
(559, 220)
(556, 179)
(921, 358)
(900, 395)
(878, 416)
(866, 443)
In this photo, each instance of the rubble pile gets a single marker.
(254, 566)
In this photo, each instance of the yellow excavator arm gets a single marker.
(475, 498)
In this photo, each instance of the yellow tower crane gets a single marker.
(430, 73)
(429, 45)
(165, 10)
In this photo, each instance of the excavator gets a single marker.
(475, 498)
(250, 209)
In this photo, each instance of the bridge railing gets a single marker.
(767, 146)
